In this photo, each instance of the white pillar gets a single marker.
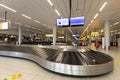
(66, 37)
(19, 35)
(54, 36)
(107, 34)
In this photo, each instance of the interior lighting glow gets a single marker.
(49, 1)
(26, 16)
(96, 16)
(103, 6)
(37, 21)
(116, 23)
(57, 12)
(8, 8)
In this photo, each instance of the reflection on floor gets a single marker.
(31, 71)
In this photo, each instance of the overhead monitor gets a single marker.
(63, 22)
(77, 21)
(3, 25)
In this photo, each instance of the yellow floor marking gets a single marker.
(12, 77)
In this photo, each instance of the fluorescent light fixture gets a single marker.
(116, 23)
(103, 6)
(37, 21)
(57, 12)
(49, 35)
(44, 25)
(27, 26)
(49, 1)
(34, 28)
(26, 16)
(96, 16)
(17, 23)
(87, 27)
(62, 37)
(92, 21)
(8, 8)
(115, 30)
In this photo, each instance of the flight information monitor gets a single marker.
(77, 21)
(63, 22)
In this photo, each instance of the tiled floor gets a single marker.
(31, 71)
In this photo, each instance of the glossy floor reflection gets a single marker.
(31, 71)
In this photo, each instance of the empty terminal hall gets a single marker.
(59, 39)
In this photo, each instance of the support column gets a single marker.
(107, 34)
(54, 36)
(66, 37)
(19, 35)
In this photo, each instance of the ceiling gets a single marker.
(43, 12)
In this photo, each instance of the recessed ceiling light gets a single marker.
(57, 12)
(8, 8)
(26, 16)
(49, 1)
(103, 6)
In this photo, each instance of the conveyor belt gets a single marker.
(78, 62)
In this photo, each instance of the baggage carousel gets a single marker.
(67, 61)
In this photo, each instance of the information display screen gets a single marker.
(63, 22)
(4, 25)
(66, 22)
(77, 21)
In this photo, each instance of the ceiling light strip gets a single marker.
(103, 6)
(85, 29)
(116, 23)
(57, 12)
(49, 1)
(92, 21)
(8, 8)
(96, 16)
(17, 23)
(44, 25)
(37, 21)
(27, 26)
(26, 16)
